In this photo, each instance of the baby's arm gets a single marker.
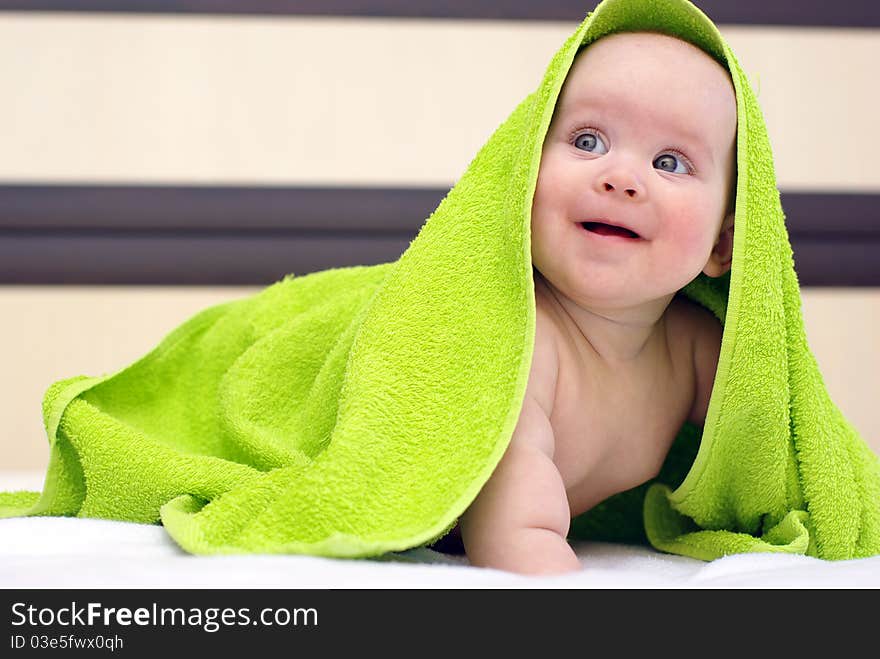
(520, 519)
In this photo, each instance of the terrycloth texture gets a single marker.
(358, 411)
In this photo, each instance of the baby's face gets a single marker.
(643, 136)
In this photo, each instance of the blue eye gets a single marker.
(588, 142)
(668, 160)
(671, 160)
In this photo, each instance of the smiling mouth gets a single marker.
(609, 230)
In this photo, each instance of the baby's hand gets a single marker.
(520, 519)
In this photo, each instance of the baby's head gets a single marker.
(643, 137)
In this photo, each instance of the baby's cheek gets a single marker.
(537, 233)
(693, 233)
(539, 242)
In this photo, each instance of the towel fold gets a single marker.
(358, 411)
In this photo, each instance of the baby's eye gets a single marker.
(668, 160)
(589, 141)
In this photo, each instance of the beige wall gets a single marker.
(275, 100)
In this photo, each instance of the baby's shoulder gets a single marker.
(699, 333)
(691, 322)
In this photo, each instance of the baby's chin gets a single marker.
(596, 294)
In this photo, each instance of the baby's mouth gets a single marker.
(609, 230)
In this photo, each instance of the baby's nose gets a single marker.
(609, 187)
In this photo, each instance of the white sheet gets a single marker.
(58, 552)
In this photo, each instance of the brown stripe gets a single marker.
(252, 236)
(209, 260)
(212, 209)
(844, 13)
(837, 262)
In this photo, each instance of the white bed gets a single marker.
(57, 552)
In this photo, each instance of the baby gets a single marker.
(634, 198)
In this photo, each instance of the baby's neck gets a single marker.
(618, 336)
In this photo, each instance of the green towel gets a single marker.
(356, 412)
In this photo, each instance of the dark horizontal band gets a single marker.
(843, 13)
(255, 235)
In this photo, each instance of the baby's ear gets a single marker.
(722, 253)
